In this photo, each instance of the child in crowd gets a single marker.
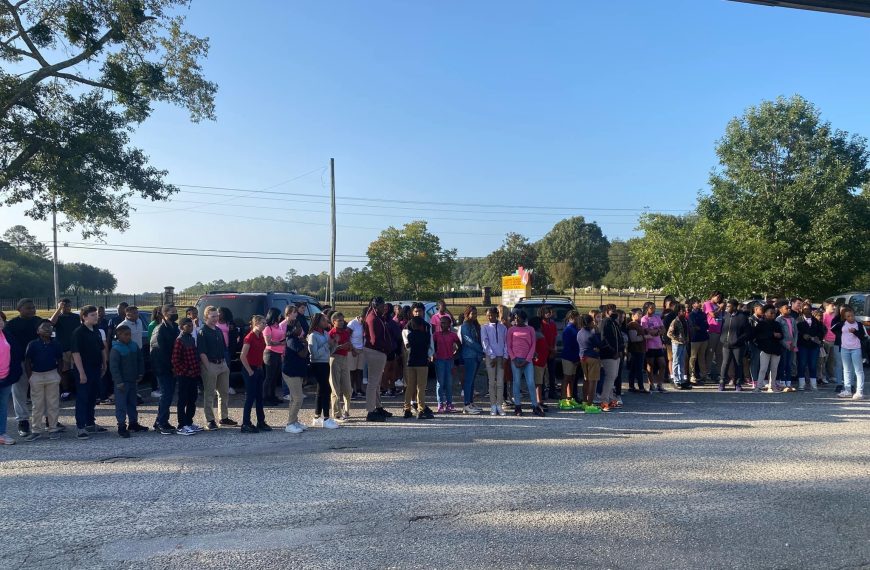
(294, 370)
(42, 361)
(521, 341)
(570, 360)
(656, 362)
(589, 346)
(768, 337)
(540, 360)
(789, 345)
(418, 342)
(127, 364)
(636, 352)
(319, 348)
(493, 336)
(852, 335)
(699, 338)
(810, 334)
(339, 370)
(251, 358)
(187, 372)
(678, 332)
(355, 358)
(447, 345)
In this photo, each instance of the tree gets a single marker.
(24, 274)
(100, 66)
(796, 181)
(578, 243)
(515, 251)
(81, 278)
(469, 272)
(21, 239)
(562, 273)
(408, 260)
(620, 263)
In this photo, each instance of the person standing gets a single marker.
(442, 311)
(215, 371)
(767, 335)
(550, 331)
(378, 344)
(833, 365)
(339, 370)
(295, 369)
(418, 342)
(187, 372)
(612, 346)
(636, 352)
(162, 344)
(655, 353)
(699, 338)
(570, 359)
(356, 357)
(10, 373)
(42, 361)
(789, 344)
(521, 340)
(851, 334)
(24, 329)
(127, 365)
(493, 338)
(447, 346)
(472, 352)
(810, 334)
(732, 338)
(275, 337)
(713, 309)
(678, 333)
(319, 348)
(65, 322)
(90, 360)
(251, 358)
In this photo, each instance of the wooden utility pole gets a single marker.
(332, 249)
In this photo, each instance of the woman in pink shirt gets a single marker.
(275, 335)
(655, 354)
(521, 351)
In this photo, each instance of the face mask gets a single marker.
(173, 318)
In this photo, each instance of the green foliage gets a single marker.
(580, 244)
(469, 272)
(21, 239)
(25, 274)
(620, 264)
(407, 260)
(562, 274)
(311, 284)
(65, 127)
(515, 251)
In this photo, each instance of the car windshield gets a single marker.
(243, 307)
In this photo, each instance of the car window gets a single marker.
(279, 304)
(859, 305)
(840, 301)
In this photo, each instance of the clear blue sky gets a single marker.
(573, 104)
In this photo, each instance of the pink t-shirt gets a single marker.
(5, 356)
(827, 319)
(849, 340)
(652, 322)
(436, 321)
(444, 344)
(225, 328)
(275, 333)
(521, 342)
(713, 324)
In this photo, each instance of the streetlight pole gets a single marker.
(54, 234)
(332, 249)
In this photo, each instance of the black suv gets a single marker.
(560, 306)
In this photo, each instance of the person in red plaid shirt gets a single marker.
(185, 367)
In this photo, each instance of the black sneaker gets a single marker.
(539, 411)
(408, 414)
(123, 432)
(229, 422)
(212, 425)
(544, 406)
(135, 427)
(23, 428)
(375, 417)
(426, 414)
(518, 410)
(384, 412)
(264, 427)
(167, 430)
(686, 386)
(249, 428)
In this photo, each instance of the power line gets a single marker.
(157, 247)
(200, 254)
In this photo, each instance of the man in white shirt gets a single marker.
(133, 321)
(493, 336)
(356, 357)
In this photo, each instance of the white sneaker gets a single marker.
(186, 430)
(293, 428)
(814, 385)
(619, 400)
(501, 411)
(469, 409)
(301, 426)
(286, 397)
(493, 410)
(6, 440)
(232, 391)
(317, 422)
(156, 394)
(846, 393)
(858, 396)
(330, 423)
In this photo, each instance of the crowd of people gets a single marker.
(776, 345)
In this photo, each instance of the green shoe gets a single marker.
(591, 409)
(565, 405)
(577, 405)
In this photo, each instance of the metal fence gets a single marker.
(143, 301)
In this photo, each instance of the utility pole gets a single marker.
(54, 232)
(332, 250)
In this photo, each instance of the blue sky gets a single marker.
(575, 104)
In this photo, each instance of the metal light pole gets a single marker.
(332, 249)
(54, 233)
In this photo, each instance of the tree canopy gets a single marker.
(516, 250)
(580, 245)
(78, 76)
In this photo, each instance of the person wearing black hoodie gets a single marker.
(767, 335)
(735, 332)
(162, 342)
(810, 333)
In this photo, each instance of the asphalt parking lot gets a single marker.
(682, 480)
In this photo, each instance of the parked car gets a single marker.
(431, 307)
(860, 303)
(560, 305)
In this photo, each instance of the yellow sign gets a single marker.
(512, 282)
(513, 289)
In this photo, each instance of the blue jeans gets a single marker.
(529, 372)
(125, 402)
(167, 393)
(808, 358)
(784, 372)
(5, 393)
(253, 395)
(86, 396)
(472, 365)
(444, 381)
(853, 366)
(635, 369)
(838, 364)
(679, 371)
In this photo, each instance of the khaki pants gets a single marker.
(215, 381)
(496, 380)
(294, 384)
(699, 356)
(45, 395)
(416, 378)
(610, 368)
(339, 381)
(376, 361)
